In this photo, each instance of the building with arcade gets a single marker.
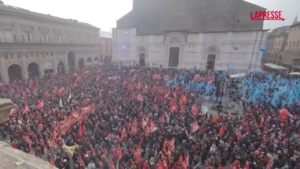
(206, 34)
(32, 44)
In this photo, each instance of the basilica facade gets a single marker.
(206, 34)
(32, 44)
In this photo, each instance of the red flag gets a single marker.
(172, 145)
(13, 111)
(55, 89)
(83, 69)
(195, 126)
(88, 109)
(247, 166)
(133, 78)
(147, 131)
(145, 89)
(239, 135)
(222, 130)
(162, 119)
(25, 109)
(123, 133)
(165, 145)
(46, 93)
(173, 105)
(137, 154)
(195, 110)
(134, 126)
(51, 161)
(166, 96)
(140, 85)
(140, 98)
(156, 77)
(41, 104)
(261, 124)
(186, 162)
(119, 152)
(145, 120)
(153, 126)
(112, 165)
(62, 89)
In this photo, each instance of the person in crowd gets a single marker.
(113, 116)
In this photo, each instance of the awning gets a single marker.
(237, 75)
(294, 73)
(273, 66)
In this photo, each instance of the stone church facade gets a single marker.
(32, 44)
(189, 33)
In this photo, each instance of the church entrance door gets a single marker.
(210, 64)
(142, 59)
(174, 57)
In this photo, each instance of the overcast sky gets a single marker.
(104, 13)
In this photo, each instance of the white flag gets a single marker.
(69, 97)
(60, 103)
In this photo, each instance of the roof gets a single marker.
(296, 24)
(104, 34)
(25, 12)
(273, 66)
(281, 31)
(157, 17)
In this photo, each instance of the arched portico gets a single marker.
(33, 70)
(71, 60)
(14, 72)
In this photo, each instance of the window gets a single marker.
(15, 38)
(33, 39)
(23, 38)
(28, 36)
(49, 39)
(294, 43)
(40, 39)
(45, 38)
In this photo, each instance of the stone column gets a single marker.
(55, 62)
(42, 64)
(66, 65)
(3, 70)
(24, 67)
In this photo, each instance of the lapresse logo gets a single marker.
(266, 15)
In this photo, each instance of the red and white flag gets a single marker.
(41, 104)
(195, 126)
(13, 110)
(139, 98)
(195, 110)
(172, 145)
(173, 105)
(153, 126)
(25, 109)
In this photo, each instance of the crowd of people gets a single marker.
(148, 118)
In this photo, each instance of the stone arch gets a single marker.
(80, 63)
(96, 60)
(33, 70)
(14, 72)
(173, 35)
(212, 52)
(48, 67)
(106, 59)
(71, 60)
(142, 55)
(101, 59)
(175, 40)
(60, 67)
